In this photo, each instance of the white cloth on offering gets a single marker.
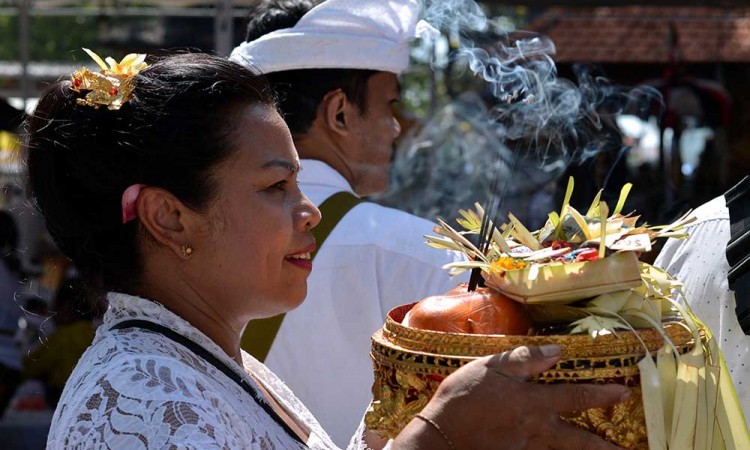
(137, 389)
(700, 263)
(375, 259)
(341, 34)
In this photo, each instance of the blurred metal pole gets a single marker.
(433, 78)
(223, 27)
(23, 47)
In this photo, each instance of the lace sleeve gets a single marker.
(358, 440)
(155, 402)
(157, 425)
(110, 416)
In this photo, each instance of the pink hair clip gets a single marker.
(129, 196)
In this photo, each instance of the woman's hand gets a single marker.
(487, 404)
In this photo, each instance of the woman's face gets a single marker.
(255, 248)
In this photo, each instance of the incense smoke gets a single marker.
(528, 124)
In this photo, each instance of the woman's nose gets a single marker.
(308, 215)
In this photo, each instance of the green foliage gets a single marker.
(51, 38)
(9, 37)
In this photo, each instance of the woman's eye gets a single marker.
(280, 186)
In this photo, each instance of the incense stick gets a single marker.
(491, 208)
(485, 231)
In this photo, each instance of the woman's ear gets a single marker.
(336, 112)
(166, 218)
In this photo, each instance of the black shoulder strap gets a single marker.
(738, 250)
(214, 361)
(260, 333)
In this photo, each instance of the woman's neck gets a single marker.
(201, 312)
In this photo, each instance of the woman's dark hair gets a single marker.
(9, 242)
(178, 125)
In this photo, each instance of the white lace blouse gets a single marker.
(138, 389)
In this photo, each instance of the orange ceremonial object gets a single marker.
(480, 312)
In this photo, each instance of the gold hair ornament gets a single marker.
(113, 85)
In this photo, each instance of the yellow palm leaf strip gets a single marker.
(729, 415)
(708, 386)
(568, 193)
(497, 236)
(713, 375)
(667, 367)
(652, 403)
(580, 221)
(462, 266)
(554, 218)
(564, 208)
(469, 220)
(522, 233)
(676, 225)
(623, 196)
(499, 239)
(730, 420)
(686, 402)
(685, 411)
(603, 213)
(701, 419)
(447, 231)
(592, 211)
(445, 243)
(718, 442)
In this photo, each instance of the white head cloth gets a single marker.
(341, 34)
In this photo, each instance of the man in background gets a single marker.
(715, 289)
(335, 70)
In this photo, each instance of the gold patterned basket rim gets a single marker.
(583, 357)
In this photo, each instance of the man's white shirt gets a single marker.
(700, 263)
(373, 260)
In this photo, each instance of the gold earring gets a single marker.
(187, 250)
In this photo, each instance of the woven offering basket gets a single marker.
(410, 363)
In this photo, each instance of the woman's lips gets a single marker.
(302, 258)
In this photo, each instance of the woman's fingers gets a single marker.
(487, 403)
(580, 397)
(523, 362)
(527, 361)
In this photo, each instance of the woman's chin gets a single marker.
(296, 304)
(294, 299)
(280, 303)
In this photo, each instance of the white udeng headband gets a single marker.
(341, 34)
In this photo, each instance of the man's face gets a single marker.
(374, 133)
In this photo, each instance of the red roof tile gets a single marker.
(640, 34)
